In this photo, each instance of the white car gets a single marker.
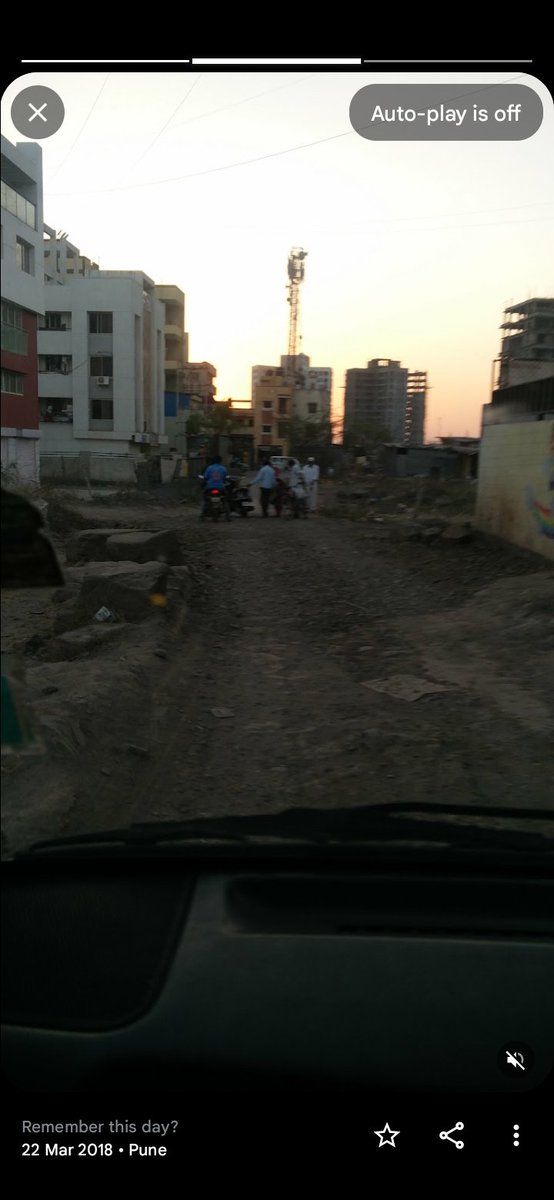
(281, 461)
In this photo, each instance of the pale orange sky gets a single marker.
(414, 249)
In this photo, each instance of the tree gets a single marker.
(365, 436)
(194, 424)
(311, 437)
(215, 420)
(219, 418)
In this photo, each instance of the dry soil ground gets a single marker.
(277, 684)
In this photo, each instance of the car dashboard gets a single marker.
(341, 986)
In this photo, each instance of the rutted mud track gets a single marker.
(258, 699)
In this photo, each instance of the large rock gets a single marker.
(89, 545)
(144, 547)
(129, 590)
(79, 643)
(75, 606)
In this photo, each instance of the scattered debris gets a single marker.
(141, 751)
(104, 614)
(222, 712)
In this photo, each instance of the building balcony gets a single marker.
(174, 331)
(52, 384)
(14, 340)
(54, 341)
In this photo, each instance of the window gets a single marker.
(100, 322)
(282, 429)
(12, 381)
(55, 321)
(58, 363)
(266, 428)
(283, 404)
(101, 364)
(57, 409)
(25, 256)
(267, 404)
(312, 408)
(18, 206)
(12, 315)
(14, 337)
(101, 409)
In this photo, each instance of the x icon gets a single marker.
(37, 112)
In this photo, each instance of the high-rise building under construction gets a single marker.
(389, 394)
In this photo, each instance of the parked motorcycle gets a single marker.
(238, 496)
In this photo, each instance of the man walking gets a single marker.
(311, 475)
(266, 481)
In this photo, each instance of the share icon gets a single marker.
(445, 1135)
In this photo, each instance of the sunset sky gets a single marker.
(207, 180)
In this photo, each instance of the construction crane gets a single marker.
(296, 275)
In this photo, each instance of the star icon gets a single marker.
(389, 1139)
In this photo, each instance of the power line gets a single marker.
(257, 158)
(131, 187)
(170, 118)
(234, 103)
(87, 118)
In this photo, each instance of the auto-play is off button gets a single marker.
(38, 112)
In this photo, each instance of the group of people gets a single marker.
(274, 484)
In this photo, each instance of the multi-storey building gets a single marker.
(387, 393)
(515, 492)
(527, 348)
(176, 339)
(272, 396)
(62, 260)
(280, 394)
(22, 299)
(101, 357)
(416, 400)
(312, 393)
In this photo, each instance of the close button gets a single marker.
(38, 112)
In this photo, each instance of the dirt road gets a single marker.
(278, 685)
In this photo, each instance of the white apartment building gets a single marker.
(101, 355)
(312, 394)
(22, 299)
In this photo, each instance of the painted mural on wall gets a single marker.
(542, 509)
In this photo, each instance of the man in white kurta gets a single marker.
(311, 475)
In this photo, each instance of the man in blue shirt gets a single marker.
(216, 476)
(267, 480)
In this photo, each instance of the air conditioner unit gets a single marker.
(103, 380)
